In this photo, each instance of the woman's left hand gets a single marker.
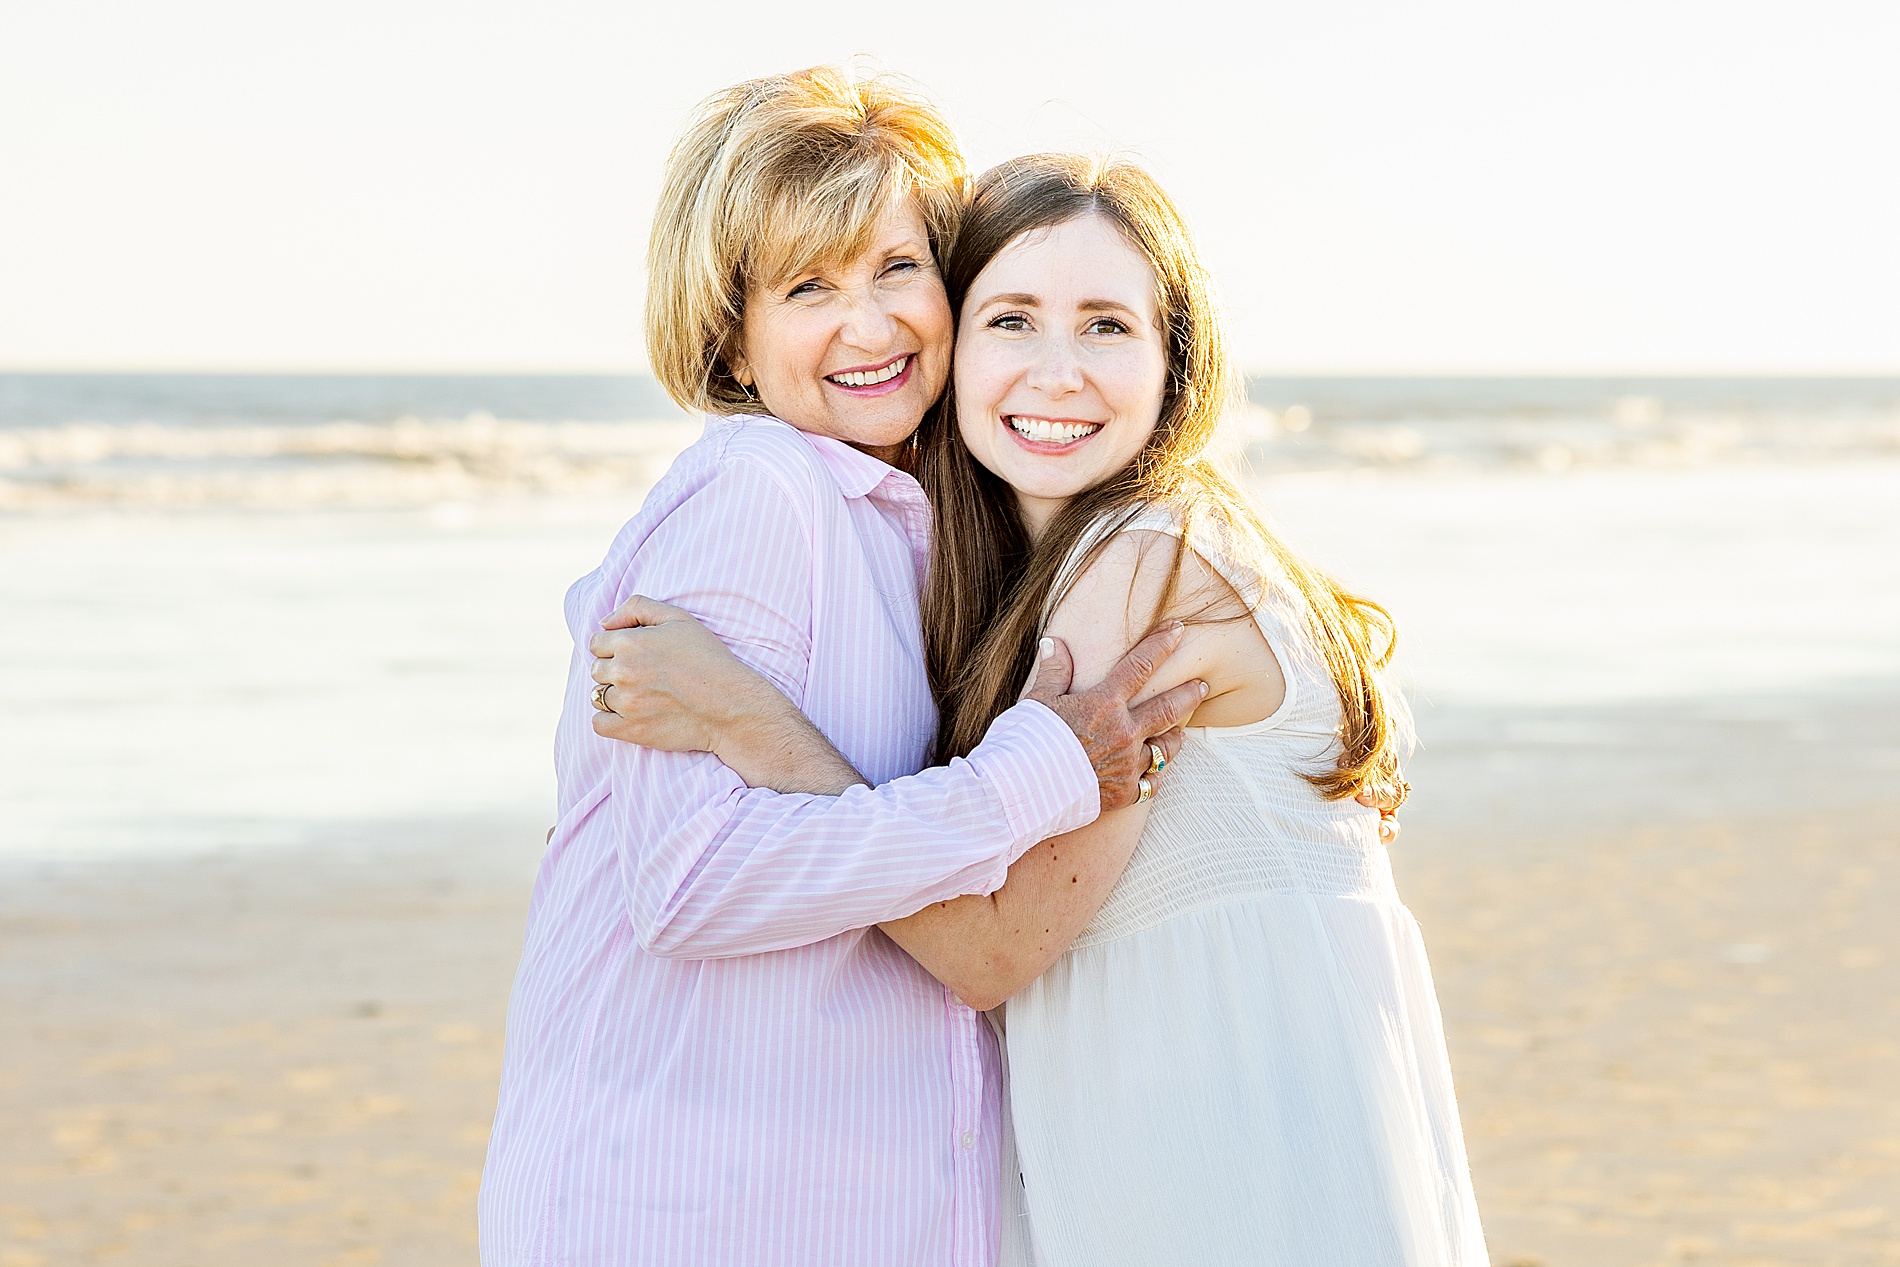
(671, 684)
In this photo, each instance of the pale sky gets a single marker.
(1694, 186)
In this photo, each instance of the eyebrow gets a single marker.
(1026, 300)
(815, 269)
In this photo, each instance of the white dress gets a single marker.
(1240, 1060)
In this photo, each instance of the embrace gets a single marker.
(863, 938)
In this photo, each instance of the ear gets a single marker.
(736, 364)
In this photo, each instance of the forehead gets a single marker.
(899, 224)
(1087, 258)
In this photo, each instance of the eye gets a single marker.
(1009, 321)
(900, 266)
(1105, 325)
(804, 290)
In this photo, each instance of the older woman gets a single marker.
(713, 1055)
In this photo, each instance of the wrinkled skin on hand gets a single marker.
(1114, 735)
(671, 682)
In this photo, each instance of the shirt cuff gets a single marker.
(1040, 773)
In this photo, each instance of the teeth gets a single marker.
(1051, 432)
(871, 378)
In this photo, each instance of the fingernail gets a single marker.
(1175, 626)
(1048, 647)
(1203, 690)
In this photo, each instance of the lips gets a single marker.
(1049, 430)
(876, 376)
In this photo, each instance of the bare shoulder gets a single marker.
(1118, 599)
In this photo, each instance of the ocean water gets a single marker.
(395, 440)
(242, 612)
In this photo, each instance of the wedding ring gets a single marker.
(600, 698)
(1147, 791)
(1157, 759)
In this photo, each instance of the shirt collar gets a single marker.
(857, 472)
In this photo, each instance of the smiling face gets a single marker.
(1061, 362)
(858, 350)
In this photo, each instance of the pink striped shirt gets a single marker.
(713, 1055)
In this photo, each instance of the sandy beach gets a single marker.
(274, 789)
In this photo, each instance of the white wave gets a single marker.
(410, 460)
(413, 460)
(1637, 434)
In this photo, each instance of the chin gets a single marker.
(895, 423)
(1038, 484)
(877, 435)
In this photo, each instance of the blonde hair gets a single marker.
(771, 177)
(990, 586)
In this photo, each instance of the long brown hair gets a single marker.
(990, 586)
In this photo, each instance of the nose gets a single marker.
(869, 324)
(1056, 370)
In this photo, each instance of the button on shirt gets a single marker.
(713, 1055)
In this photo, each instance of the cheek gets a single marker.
(781, 351)
(926, 310)
(979, 381)
(1132, 442)
(1134, 388)
(975, 399)
(982, 444)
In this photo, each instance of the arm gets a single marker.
(682, 689)
(713, 868)
(672, 684)
(986, 948)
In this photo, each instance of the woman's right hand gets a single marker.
(1118, 736)
(671, 684)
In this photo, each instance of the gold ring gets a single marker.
(600, 698)
(1147, 792)
(1405, 790)
(1157, 759)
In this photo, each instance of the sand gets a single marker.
(1676, 1039)
(254, 968)
(284, 1057)
(1675, 1043)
